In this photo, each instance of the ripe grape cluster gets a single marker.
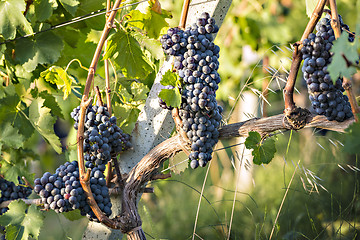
(326, 98)
(196, 62)
(62, 191)
(9, 191)
(102, 137)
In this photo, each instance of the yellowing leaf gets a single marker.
(56, 75)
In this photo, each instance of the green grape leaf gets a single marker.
(21, 221)
(11, 18)
(57, 75)
(93, 36)
(50, 102)
(11, 136)
(342, 49)
(127, 116)
(43, 122)
(171, 97)
(128, 55)
(310, 7)
(169, 78)
(263, 150)
(150, 21)
(44, 9)
(16, 128)
(73, 215)
(152, 45)
(352, 143)
(14, 168)
(124, 94)
(70, 5)
(45, 48)
(139, 91)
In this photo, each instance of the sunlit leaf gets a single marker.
(12, 18)
(126, 51)
(44, 48)
(21, 221)
(171, 97)
(57, 75)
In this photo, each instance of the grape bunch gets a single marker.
(196, 62)
(326, 98)
(102, 137)
(62, 191)
(9, 191)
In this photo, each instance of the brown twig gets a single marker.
(335, 24)
(184, 13)
(120, 181)
(297, 57)
(27, 183)
(84, 177)
(98, 94)
(161, 176)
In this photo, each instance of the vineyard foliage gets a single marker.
(45, 52)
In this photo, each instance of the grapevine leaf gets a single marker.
(310, 7)
(127, 115)
(15, 128)
(11, 136)
(263, 150)
(45, 48)
(125, 95)
(73, 215)
(93, 36)
(150, 44)
(44, 9)
(58, 76)
(150, 21)
(22, 222)
(88, 6)
(171, 97)
(169, 78)
(342, 49)
(50, 102)
(12, 169)
(43, 122)
(128, 55)
(352, 143)
(252, 140)
(11, 18)
(139, 91)
(70, 5)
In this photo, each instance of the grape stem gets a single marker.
(98, 95)
(297, 57)
(184, 13)
(85, 102)
(335, 24)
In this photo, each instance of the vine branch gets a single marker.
(297, 57)
(85, 101)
